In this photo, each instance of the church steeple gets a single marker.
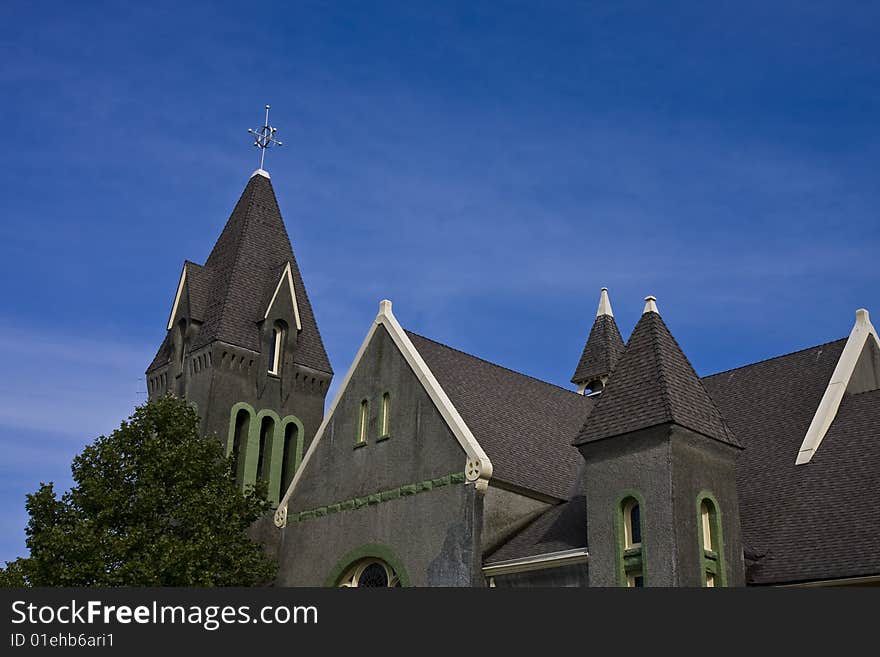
(601, 351)
(243, 346)
(229, 295)
(246, 265)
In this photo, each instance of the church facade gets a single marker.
(433, 467)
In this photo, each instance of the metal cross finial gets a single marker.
(264, 137)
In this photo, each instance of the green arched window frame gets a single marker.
(384, 417)
(632, 561)
(372, 551)
(710, 539)
(273, 453)
(363, 423)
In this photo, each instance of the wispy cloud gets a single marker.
(59, 392)
(68, 385)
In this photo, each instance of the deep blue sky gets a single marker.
(487, 166)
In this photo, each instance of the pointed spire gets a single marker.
(244, 268)
(653, 384)
(601, 351)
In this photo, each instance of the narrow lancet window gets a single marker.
(385, 421)
(711, 543)
(275, 347)
(363, 421)
(631, 554)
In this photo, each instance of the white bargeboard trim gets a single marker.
(288, 275)
(537, 562)
(180, 284)
(478, 467)
(862, 331)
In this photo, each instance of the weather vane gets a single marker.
(264, 137)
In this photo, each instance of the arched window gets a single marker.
(276, 345)
(631, 555)
(711, 542)
(632, 524)
(363, 422)
(385, 417)
(370, 573)
(288, 464)
(239, 443)
(267, 430)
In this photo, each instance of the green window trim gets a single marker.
(711, 559)
(273, 448)
(372, 551)
(380, 496)
(630, 561)
(385, 417)
(363, 423)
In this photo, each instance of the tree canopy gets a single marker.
(153, 504)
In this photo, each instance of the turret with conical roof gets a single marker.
(243, 345)
(601, 351)
(654, 383)
(659, 473)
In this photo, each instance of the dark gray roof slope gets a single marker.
(524, 425)
(198, 285)
(813, 521)
(601, 352)
(246, 261)
(653, 383)
(561, 527)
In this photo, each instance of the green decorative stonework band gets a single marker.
(377, 498)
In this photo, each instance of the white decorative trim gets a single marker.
(861, 332)
(604, 304)
(843, 581)
(650, 305)
(537, 562)
(180, 283)
(289, 274)
(261, 172)
(478, 467)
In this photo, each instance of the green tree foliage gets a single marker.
(153, 504)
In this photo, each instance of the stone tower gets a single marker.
(243, 346)
(660, 472)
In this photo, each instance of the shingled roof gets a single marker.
(603, 347)
(231, 289)
(812, 521)
(800, 522)
(559, 528)
(653, 384)
(524, 425)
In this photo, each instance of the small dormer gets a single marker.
(281, 324)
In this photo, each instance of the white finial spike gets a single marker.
(604, 304)
(650, 305)
(863, 316)
(385, 307)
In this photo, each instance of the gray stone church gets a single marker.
(433, 467)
